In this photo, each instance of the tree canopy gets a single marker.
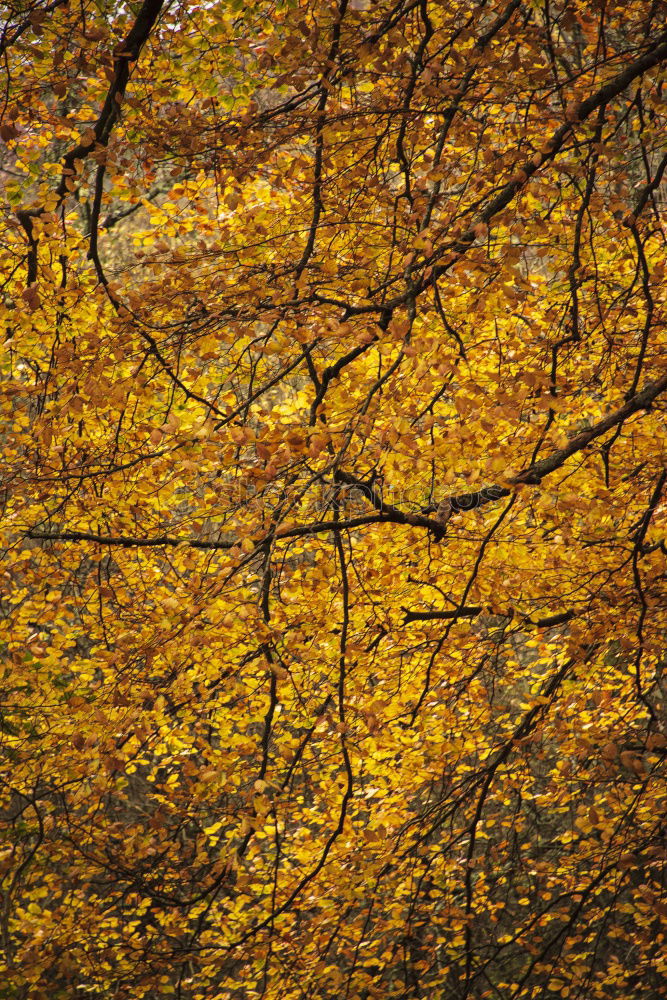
(333, 390)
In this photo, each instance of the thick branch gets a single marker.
(535, 473)
(472, 611)
(387, 513)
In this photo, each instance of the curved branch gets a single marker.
(126, 53)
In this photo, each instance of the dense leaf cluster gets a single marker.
(333, 395)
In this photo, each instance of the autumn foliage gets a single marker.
(334, 403)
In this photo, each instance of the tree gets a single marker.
(334, 389)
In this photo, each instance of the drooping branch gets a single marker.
(126, 53)
(578, 113)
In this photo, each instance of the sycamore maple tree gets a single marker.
(333, 389)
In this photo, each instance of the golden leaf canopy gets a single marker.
(333, 388)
